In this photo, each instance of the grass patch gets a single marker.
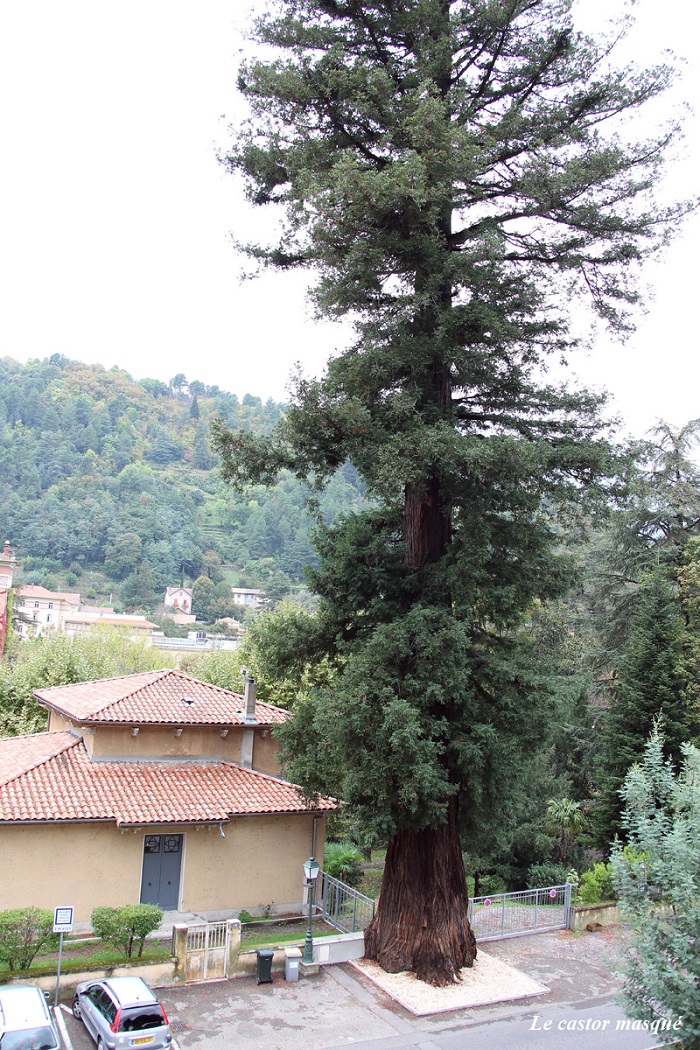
(86, 957)
(286, 933)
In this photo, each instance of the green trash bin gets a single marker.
(264, 965)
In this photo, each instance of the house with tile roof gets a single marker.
(43, 610)
(153, 787)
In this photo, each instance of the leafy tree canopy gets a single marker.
(454, 173)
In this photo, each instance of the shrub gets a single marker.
(490, 885)
(23, 933)
(548, 874)
(245, 916)
(342, 861)
(127, 926)
(597, 885)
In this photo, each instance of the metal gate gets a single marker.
(513, 914)
(342, 906)
(206, 951)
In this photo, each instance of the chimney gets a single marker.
(6, 549)
(249, 698)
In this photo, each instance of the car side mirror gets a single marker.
(47, 995)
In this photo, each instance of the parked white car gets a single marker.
(25, 1019)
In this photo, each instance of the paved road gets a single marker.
(340, 1008)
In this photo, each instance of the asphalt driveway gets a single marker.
(340, 1007)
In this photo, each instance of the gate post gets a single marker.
(233, 945)
(567, 905)
(179, 948)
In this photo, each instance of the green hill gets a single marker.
(109, 486)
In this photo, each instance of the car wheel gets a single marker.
(100, 1044)
(76, 1009)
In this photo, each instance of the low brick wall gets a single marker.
(606, 912)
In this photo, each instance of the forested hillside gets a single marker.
(109, 486)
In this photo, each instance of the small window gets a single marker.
(36, 605)
(106, 1007)
(48, 617)
(50, 605)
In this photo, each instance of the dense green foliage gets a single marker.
(56, 660)
(23, 933)
(443, 169)
(109, 486)
(659, 884)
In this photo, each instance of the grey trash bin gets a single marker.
(292, 962)
(264, 965)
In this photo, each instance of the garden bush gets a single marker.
(126, 927)
(23, 933)
(548, 874)
(597, 885)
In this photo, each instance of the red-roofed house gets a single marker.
(44, 610)
(153, 787)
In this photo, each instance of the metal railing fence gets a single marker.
(502, 915)
(342, 906)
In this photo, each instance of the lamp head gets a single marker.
(311, 869)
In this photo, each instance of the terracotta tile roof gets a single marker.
(18, 754)
(164, 697)
(67, 786)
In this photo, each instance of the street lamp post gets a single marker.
(311, 870)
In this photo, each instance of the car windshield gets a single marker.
(29, 1039)
(137, 1019)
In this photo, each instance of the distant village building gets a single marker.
(247, 596)
(179, 598)
(40, 610)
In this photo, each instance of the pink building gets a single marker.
(179, 598)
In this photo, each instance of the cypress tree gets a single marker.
(444, 170)
(649, 685)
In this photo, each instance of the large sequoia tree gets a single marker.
(453, 172)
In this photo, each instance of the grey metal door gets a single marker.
(162, 861)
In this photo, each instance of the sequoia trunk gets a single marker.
(421, 922)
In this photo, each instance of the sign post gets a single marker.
(62, 923)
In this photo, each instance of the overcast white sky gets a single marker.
(115, 217)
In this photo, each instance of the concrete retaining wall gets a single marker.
(327, 950)
(157, 974)
(605, 913)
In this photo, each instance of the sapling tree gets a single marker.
(453, 172)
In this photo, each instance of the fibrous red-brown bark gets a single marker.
(421, 921)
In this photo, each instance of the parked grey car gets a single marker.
(121, 1012)
(25, 1020)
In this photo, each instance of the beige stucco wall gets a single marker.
(58, 722)
(194, 741)
(258, 862)
(266, 752)
(83, 865)
(150, 741)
